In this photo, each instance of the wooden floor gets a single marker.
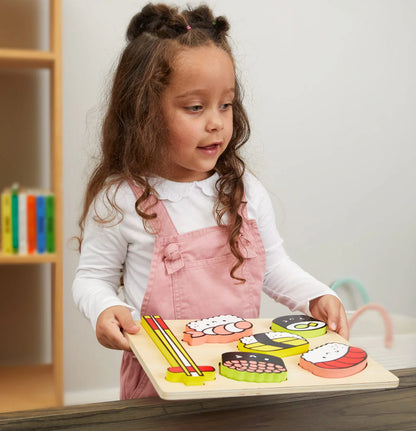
(388, 409)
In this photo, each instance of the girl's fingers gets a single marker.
(110, 325)
(113, 338)
(127, 324)
(337, 321)
(344, 329)
(329, 309)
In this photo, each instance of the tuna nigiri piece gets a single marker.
(334, 360)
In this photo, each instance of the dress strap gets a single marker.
(162, 224)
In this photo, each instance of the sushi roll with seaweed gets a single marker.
(280, 344)
(299, 324)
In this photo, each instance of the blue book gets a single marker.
(41, 223)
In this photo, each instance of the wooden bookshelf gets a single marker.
(41, 385)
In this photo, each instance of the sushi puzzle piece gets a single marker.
(183, 368)
(252, 367)
(299, 324)
(334, 360)
(225, 328)
(280, 344)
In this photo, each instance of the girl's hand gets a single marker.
(110, 324)
(329, 309)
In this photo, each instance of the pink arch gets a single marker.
(387, 320)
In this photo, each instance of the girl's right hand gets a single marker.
(110, 324)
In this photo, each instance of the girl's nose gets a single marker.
(215, 122)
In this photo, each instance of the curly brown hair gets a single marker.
(133, 127)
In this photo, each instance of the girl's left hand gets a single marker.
(330, 310)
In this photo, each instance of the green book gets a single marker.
(50, 223)
(15, 218)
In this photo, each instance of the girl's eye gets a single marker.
(194, 108)
(226, 106)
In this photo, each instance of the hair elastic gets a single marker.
(188, 27)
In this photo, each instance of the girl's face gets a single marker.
(197, 105)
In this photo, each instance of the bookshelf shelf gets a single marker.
(16, 259)
(41, 385)
(30, 387)
(26, 58)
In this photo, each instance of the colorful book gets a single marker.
(31, 222)
(6, 221)
(41, 223)
(15, 217)
(22, 222)
(50, 223)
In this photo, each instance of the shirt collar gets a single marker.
(175, 191)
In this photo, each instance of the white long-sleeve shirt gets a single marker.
(123, 244)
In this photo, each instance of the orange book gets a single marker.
(31, 223)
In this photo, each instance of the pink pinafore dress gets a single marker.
(190, 279)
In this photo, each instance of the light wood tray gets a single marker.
(298, 380)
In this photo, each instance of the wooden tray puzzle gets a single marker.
(374, 376)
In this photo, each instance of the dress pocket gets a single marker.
(134, 382)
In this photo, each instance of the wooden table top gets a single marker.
(385, 409)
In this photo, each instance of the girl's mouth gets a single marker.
(210, 149)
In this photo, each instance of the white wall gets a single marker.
(331, 94)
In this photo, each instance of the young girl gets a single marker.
(170, 206)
